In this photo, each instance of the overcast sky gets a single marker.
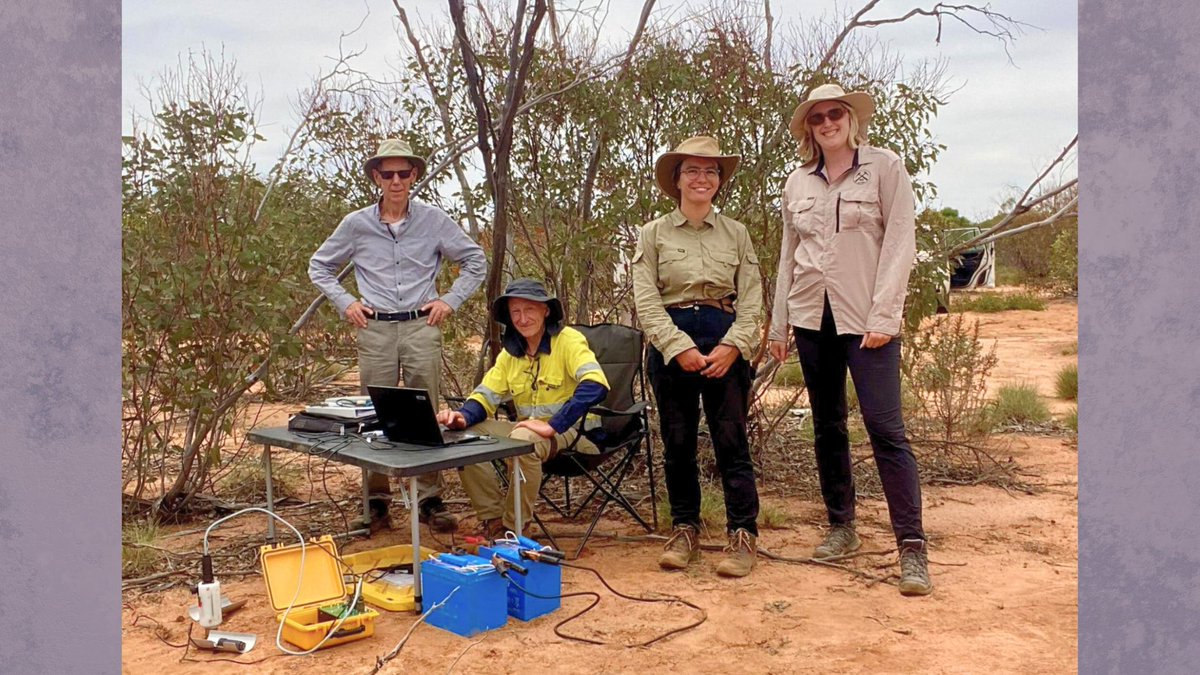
(1005, 122)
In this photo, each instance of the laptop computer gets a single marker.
(407, 416)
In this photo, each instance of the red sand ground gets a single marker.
(1004, 565)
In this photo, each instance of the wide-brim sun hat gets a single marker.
(394, 148)
(859, 102)
(697, 146)
(528, 289)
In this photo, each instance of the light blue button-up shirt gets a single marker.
(397, 272)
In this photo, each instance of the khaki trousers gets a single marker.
(483, 487)
(389, 351)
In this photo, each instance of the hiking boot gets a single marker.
(682, 549)
(379, 520)
(914, 568)
(433, 513)
(493, 529)
(743, 547)
(839, 541)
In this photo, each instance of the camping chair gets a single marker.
(623, 431)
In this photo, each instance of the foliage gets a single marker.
(946, 367)
(1072, 420)
(1064, 258)
(1067, 383)
(999, 302)
(1021, 404)
(207, 279)
(138, 536)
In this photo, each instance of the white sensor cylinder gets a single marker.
(210, 604)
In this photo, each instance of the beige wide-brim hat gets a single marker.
(696, 146)
(394, 147)
(861, 103)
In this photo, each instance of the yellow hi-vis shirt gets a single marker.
(541, 385)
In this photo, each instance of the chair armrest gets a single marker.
(635, 409)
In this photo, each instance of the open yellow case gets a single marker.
(380, 593)
(320, 586)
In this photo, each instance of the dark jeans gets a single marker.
(824, 358)
(726, 405)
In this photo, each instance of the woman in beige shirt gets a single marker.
(698, 294)
(848, 246)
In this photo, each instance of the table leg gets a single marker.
(416, 546)
(270, 493)
(366, 509)
(516, 481)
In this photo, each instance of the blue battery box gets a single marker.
(478, 605)
(543, 579)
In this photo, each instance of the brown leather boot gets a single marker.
(682, 549)
(743, 549)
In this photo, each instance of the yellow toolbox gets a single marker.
(380, 591)
(321, 591)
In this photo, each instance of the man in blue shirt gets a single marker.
(397, 246)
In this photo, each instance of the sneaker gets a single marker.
(839, 541)
(493, 529)
(682, 549)
(914, 568)
(433, 513)
(743, 548)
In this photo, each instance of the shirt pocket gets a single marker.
(802, 215)
(673, 267)
(858, 211)
(724, 268)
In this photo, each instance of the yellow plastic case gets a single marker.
(378, 593)
(320, 586)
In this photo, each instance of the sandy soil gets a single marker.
(1004, 566)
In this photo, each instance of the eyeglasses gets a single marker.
(695, 173)
(403, 173)
(834, 114)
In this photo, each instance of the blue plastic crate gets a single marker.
(543, 579)
(480, 604)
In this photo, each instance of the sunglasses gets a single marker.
(403, 173)
(834, 114)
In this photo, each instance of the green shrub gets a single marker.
(137, 559)
(789, 375)
(1009, 276)
(1067, 384)
(999, 302)
(1072, 420)
(1064, 259)
(773, 517)
(945, 368)
(1020, 404)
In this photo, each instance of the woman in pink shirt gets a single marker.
(848, 246)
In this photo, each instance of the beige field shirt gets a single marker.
(853, 238)
(677, 262)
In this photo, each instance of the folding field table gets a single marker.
(394, 459)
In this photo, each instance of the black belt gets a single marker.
(399, 316)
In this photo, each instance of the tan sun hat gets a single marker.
(696, 146)
(860, 103)
(394, 147)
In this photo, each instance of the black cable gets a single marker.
(668, 599)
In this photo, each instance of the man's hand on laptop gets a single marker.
(452, 419)
(539, 427)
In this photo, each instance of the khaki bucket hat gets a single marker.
(696, 146)
(394, 147)
(859, 102)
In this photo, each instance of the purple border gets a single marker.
(1139, 535)
(60, 327)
